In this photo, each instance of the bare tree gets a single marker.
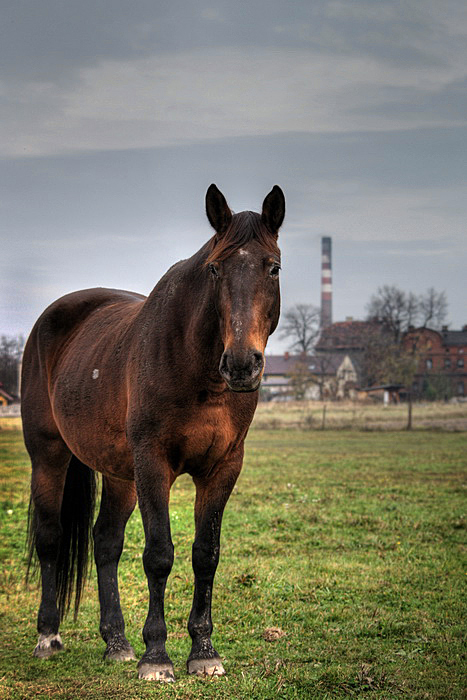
(391, 360)
(433, 307)
(317, 370)
(323, 374)
(301, 326)
(397, 310)
(412, 310)
(300, 378)
(378, 343)
(390, 306)
(401, 367)
(388, 361)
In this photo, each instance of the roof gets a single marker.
(347, 335)
(454, 337)
(326, 364)
(282, 364)
(448, 338)
(386, 387)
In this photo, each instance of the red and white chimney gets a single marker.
(326, 282)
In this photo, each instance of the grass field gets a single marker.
(351, 543)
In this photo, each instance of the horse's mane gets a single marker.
(244, 227)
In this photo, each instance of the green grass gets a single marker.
(353, 544)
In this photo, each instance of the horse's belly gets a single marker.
(100, 447)
(111, 457)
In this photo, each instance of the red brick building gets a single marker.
(443, 361)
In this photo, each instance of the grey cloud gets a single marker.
(52, 37)
(449, 102)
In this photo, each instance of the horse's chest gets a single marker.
(207, 436)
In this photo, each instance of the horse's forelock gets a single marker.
(244, 228)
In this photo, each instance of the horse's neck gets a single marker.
(181, 319)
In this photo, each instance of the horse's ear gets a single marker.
(273, 212)
(217, 210)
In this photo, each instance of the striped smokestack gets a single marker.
(326, 282)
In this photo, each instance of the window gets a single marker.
(460, 361)
(460, 388)
(447, 363)
(429, 363)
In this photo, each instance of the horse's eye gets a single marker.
(274, 271)
(214, 270)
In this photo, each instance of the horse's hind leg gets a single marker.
(49, 467)
(117, 504)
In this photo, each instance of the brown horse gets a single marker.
(143, 390)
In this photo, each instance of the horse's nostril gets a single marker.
(257, 362)
(225, 365)
(258, 358)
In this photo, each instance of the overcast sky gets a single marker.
(116, 117)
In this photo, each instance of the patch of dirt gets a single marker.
(272, 634)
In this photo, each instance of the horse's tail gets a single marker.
(76, 519)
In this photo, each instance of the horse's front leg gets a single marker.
(212, 494)
(153, 485)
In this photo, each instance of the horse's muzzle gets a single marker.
(242, 371)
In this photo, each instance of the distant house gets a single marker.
(352, 338)
(332, 376)
(442, 364)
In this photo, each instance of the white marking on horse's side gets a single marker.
(95, 373)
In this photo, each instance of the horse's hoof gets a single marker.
(206, 667)
(157, 672)
(119, 649)
(125, 654)
(48, 645)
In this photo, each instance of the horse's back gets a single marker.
(59, 324)
(65, 314)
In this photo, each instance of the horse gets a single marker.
(142, 390)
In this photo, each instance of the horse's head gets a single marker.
(244, 265)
